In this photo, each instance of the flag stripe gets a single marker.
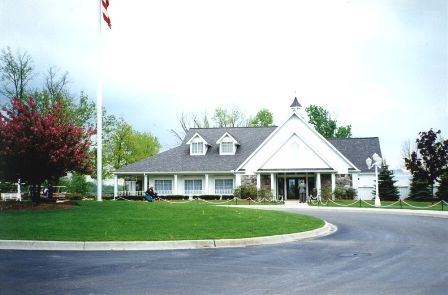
(107, 20)
(106, 17)
(105, 3)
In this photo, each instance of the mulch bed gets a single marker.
(32, 206)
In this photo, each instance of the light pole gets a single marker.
(377, 161)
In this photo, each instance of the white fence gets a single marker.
(11, 196)
(366, 193)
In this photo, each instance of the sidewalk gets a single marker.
(305, 207)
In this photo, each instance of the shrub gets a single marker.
(74, 196)
(228, 197)
(131, 198)
(174, 197)
(246, 192)
(264, 193)
(345, 193)
(325, 192)
(351, 193)
(339, 193)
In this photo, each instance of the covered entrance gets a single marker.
(290, 187)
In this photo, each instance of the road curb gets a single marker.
(327, 229)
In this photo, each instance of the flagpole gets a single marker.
(99, 113)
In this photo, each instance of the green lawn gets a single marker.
(384, 205)
(142, 221)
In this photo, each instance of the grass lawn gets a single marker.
(142, 221)
(384, 205)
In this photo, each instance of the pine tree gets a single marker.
(442, 191)
(386, 184)
(420, 189)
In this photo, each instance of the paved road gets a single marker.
(370, 254)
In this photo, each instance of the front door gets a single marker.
(294, 187)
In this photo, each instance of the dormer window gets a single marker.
(198, 145)
(197, 148)
(227, 148)
(227, 144)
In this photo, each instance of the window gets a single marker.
(223, 186)
(193, 186)
(163, 187)
(227, 147)
(197, 148)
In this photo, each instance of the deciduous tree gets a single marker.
(430, 160)
(37, 146)
(122, 145)
(263, 118)
(325, 125)
(16, 72)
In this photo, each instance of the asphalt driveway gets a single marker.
(370, 253)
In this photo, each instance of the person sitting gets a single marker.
(150, 195)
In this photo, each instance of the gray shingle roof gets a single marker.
(295, 103)
(358, 149)
(178, 159)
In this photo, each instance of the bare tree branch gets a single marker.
(15, 73)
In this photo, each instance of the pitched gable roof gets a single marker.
(178, 159)
(358, 149)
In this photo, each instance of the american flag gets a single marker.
(106, 18)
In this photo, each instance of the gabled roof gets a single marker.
(197, 135)
(227, 134)
(178, 159)
(358, 149)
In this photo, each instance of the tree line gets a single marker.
(46, 131)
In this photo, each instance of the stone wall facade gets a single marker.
(248, 180)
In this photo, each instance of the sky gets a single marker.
(379, 65)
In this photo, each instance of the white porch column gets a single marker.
(285, 197)
(333, 184)
(258, 181)
(237, 180)
(206, 185)
(273, 186)
(175, 185)
(355, 181)
(115, 186)
(318, 185)
(145, 182)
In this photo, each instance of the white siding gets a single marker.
(311, 144)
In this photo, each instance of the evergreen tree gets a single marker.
(420, 189)
(386, 184)
(442, 191)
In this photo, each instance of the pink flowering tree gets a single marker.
(41, 145)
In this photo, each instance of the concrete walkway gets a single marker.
(305, 207)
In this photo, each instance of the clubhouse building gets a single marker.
(214, 161)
